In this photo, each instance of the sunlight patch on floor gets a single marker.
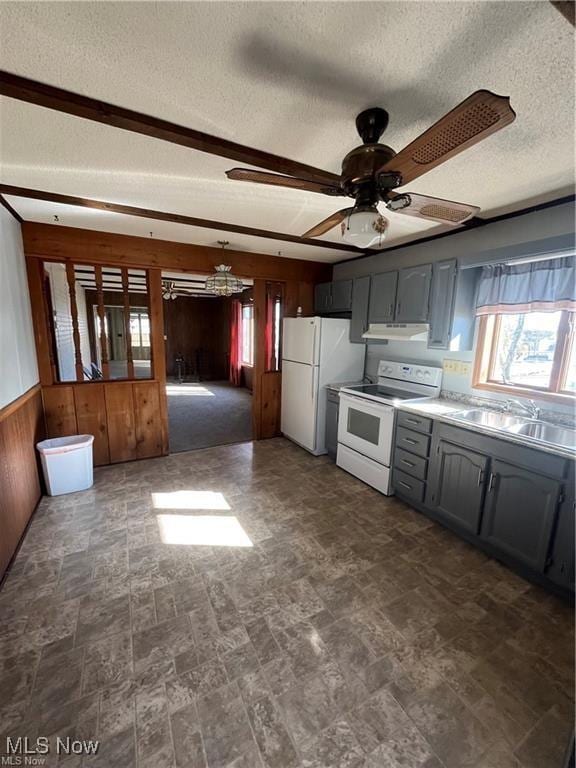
(188, 390)
(189, 500)
(203, 531)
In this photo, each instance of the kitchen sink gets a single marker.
(546, 433)
(492, 419)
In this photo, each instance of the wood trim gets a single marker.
(559, 363)
(102, 317)
(259, 363)
(34, 92)
(35, 270)
(158, 347)
(191, 221)
(556, 397)
(51, 242)
(127, 332)
(11, 210)
(15, 405)
(71, 278)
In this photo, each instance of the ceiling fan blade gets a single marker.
(477, 117)
(434, 208)
(327, 224)
(260, 177)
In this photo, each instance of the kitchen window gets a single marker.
(526, 336)
(247, 338)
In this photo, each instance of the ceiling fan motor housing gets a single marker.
(360, 166)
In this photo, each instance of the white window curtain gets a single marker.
(537, 287)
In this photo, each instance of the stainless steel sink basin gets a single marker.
(546, 433)
(492, 419)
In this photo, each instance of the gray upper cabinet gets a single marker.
(360, 299)
(456, 485)
(413, 294)
(441, 303)
(341, 296)
(520, 513)
(383, 297)
(322, 297)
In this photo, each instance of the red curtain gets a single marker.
(235, 339)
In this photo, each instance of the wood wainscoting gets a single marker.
(21, 427)
(125, 417)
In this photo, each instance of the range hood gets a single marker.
(397, 331)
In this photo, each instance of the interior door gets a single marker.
(456, 489)
(299, 403)
(301, 340)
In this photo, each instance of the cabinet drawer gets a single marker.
(414, 442)
(412, 421)
(411, 464)
(408, 486)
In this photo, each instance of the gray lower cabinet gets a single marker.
(383, 297)
(322, 297)
(561, 563)
(520, 513)
(514, 501)
(332, 411)
(413, 294)
(360, 299)
(442, 303)
(456, 489)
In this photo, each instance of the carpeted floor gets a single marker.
(207, 413)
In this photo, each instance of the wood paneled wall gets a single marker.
(198, 324)
(124, 417)
(21, 427)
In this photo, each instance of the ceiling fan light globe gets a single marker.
(364, 229)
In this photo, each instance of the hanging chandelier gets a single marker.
(223, 282)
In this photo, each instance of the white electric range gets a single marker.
(368, 414)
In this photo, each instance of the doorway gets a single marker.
(207, 406)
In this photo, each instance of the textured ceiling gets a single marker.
(288, 78)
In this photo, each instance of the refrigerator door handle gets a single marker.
(312, 380)
(314, 346)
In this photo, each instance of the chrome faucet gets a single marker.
(528, 406)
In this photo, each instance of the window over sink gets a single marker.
(526, 341)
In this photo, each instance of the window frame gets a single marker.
(485, 355)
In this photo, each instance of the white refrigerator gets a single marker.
(316, 351)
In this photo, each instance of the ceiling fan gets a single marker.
(372, 171)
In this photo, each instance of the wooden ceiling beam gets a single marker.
(176, 218)
(70, 103)
(54, 242)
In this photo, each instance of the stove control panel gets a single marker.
(418, 374)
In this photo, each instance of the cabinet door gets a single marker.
(331, 428)
(322, 297)
(442, 303)
(413, 294)
(561, 568)
(360, 297)
(520, 512)
(341, 296)
(458, 478)
(383, 297)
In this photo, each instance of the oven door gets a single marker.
(366, 427)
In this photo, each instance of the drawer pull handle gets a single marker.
(414, 421)
(401, 482)
(409, 440)
(408, 463)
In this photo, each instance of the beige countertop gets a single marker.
(444, 410)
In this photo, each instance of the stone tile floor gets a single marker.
(319, 624)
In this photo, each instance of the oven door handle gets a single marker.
(368, 404)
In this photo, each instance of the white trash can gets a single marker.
(67, 463)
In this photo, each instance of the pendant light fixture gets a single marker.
(364, 227)
(223, 282)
